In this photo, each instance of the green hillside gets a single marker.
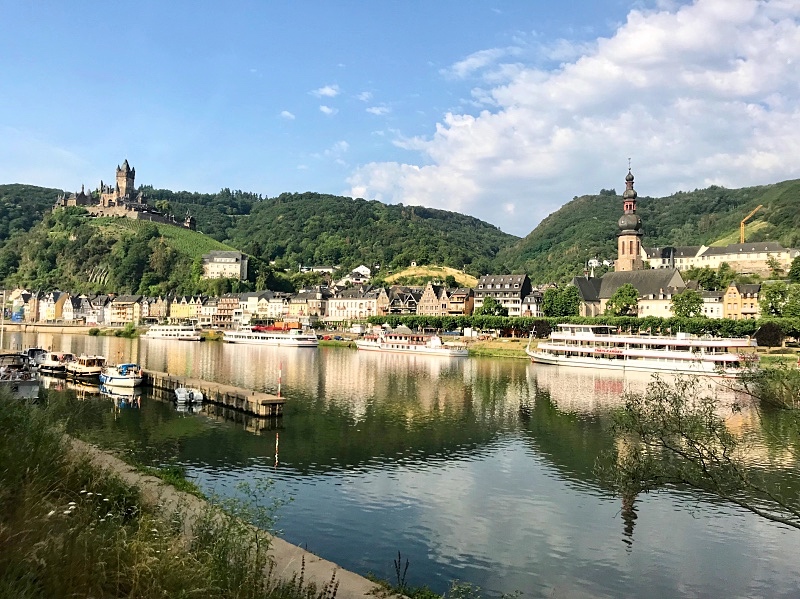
(586, 227)
(69, 250)
(312, 228)
(22, 206)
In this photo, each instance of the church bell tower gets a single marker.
(629, 239)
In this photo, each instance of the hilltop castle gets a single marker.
(120, 200)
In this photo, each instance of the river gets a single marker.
(435, 459)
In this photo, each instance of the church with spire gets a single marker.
(655, 286)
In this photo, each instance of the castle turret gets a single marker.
(125, 178)
(629, 242)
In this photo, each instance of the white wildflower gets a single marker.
(51, 513)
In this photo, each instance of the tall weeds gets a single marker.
(69, 530)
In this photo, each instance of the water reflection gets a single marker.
(436, 458)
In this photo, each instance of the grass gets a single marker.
(68, 529)
(429, 272)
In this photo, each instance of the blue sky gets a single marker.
(503, 110)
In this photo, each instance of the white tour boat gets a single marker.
(403, 340)
(603, 346)
(122, 375)
(176, 332)
(86, 368)
(289, 337)
(55, 363)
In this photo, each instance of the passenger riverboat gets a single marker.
(176, 332)
(86, 368)
(403, 340)
(603, 346)
(17, 378)
(122, 375)
(288, 337)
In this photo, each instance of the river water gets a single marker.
(435, 459)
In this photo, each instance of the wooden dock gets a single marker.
(255, 403)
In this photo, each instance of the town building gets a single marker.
(222, 264)
(741, 301)
(506, 290)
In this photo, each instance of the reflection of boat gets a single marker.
(86, 368)
(290, 337)
(404, 340)
(603, 347)
(123, 397)
(84, 390)
(55, 362)
(53, 383)
(122, 375)
(176, 332)
(190, 408)
(188, 395)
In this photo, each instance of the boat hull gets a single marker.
(275, 339)
(415, 350)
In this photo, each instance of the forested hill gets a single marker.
(22, 206)
(560, 246)
(311, 228)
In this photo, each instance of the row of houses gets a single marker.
(513, 292)
(231, 310)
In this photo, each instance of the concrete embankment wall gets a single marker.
(288, 558)
(62, 329)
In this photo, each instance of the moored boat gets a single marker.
(404, 340)
(176, 332)
(288, 337)
(17, 378)
(86, 368)
(188, 395)
(55, 363)
(603, 346)
(122, 375)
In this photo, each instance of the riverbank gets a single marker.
(77, 521)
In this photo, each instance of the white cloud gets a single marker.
(287, 115)
(337, 149)
(379, 110)
(327, 91)
(364, 96)
(695, 94)
(328, 110)
(474, 62)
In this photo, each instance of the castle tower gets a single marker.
(629, 241)
(125, 177)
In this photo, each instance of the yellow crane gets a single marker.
(744, 220)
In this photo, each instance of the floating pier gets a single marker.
(255, 403)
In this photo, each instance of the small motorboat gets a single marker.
(188, 396)
(122, 375)
(55, 363)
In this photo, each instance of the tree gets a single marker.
(687, 304)
(773, 297)
(725, 275)
(791, 308)
(561, 301)
(450, 282)
(490, 307)
(775, 267)
(673, 434)
(794, 271)
(623, 302)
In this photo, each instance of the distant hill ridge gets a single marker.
(559, 247)
(296, 229)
